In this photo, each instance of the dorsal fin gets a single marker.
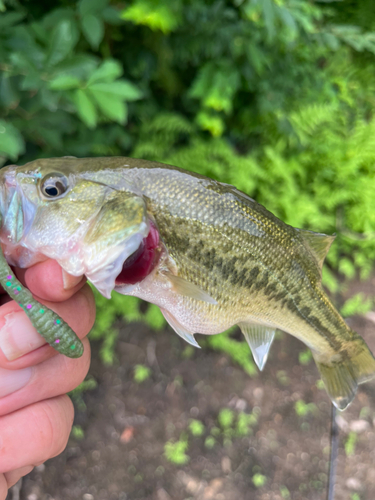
(318, 243)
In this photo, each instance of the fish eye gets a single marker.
(54, 185)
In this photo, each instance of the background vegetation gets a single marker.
(273, 96)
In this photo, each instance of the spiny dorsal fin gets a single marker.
(188, 289)
(259, 338)
(318, 243)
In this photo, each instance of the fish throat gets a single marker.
(140, 263)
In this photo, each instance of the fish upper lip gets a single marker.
(9, 177)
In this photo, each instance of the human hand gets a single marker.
(36, 416)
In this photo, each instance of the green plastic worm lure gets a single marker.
(208, 255)
(50, 326)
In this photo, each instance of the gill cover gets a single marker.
(115, 233)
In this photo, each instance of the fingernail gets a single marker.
(18, 336)
(12, 380)
(70, 281)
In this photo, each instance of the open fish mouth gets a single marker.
(141, 262)
(126, 264)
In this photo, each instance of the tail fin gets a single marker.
(342, 378)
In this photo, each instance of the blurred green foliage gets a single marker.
(273, 96)
(77, 432)
(259, 480)
(196, 427)
(175, 451)
(304, 357)
(284, 492)
(350, 443)
(358, 304)
(303, 409)
(238, 351)
(231, 425)
(77, 394)
(141, 373)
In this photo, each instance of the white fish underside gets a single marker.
(158, 289)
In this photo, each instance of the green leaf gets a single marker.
(11, 141)
(50, 20)
(111, 105)
(155, 15)
(213, 123)
(93, 29)
(81, 66)
(8, 94)
(111, 16)
(269, 17)
(31, 82)
(64, 82)
(85, 108)
(11, 18)
(63, 40)
(91, 6)
(216, 85)
(107, 72)
(121, 88)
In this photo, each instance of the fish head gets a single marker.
(49, 209)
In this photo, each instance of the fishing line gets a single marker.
(333, 456)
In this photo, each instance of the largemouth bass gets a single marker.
(207, 254)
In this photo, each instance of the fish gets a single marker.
(209, 256)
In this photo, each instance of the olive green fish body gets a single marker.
(216, 258)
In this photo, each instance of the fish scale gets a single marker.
(220, 258)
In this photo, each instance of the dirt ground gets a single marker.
(285, 456)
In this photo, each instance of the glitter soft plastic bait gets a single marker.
(56, 332)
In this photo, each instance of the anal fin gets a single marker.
(259, 338)
(179, 329)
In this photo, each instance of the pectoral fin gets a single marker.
(179, 329)
(259, 338)
(188, 289)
